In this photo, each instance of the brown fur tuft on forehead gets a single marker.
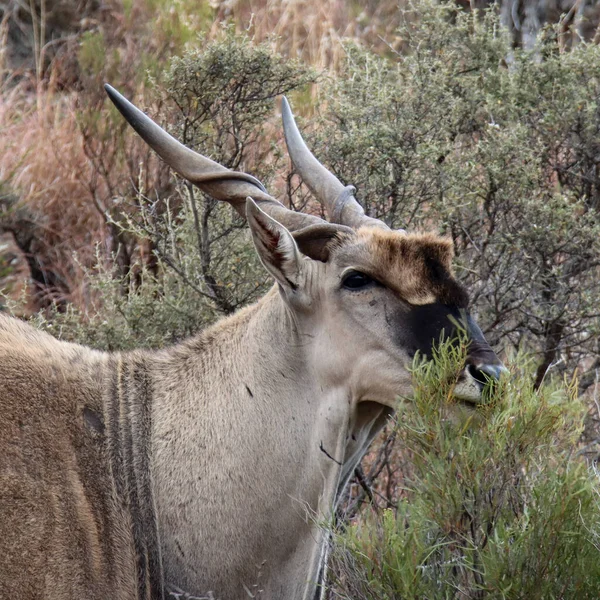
(418, 266)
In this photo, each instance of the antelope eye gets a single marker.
(356, 281)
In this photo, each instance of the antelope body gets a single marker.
(210, 465)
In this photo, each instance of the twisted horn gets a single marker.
(338, 199)
(211, 177)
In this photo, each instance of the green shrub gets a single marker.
(497, 503)
(225, 95)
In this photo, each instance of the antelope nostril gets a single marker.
(477, 374)
(483, 374)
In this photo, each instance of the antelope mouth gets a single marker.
(469, 400)
(469, 403)
(476, 384)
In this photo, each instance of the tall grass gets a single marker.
(314, 31)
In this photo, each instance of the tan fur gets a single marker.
(214, 461)
(63, 531)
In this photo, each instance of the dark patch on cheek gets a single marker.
(420, 327)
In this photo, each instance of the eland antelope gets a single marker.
(209, 465)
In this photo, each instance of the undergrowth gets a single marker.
(497, 504)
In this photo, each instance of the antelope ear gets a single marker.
(314, 240)
(275, 245)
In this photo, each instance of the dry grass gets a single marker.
(314, 31)
(41, 156)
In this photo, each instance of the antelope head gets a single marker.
(363, 299)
